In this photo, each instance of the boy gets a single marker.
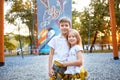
(59, 50)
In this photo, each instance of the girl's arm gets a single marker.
(77, 62)
(51, 72)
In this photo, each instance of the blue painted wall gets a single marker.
(48, 13)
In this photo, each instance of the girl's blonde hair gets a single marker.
(77, 35)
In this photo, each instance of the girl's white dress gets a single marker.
(72, 56)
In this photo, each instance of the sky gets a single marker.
(79, 6)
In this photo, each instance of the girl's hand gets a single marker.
(64, 64)
(51, 72)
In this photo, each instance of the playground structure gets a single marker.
(49, 13)
(1, 32)
(113, 25)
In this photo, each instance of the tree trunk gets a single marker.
(21, 49)
(108, 47)
(35, 24)
(95, 37)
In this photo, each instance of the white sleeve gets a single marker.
(79, 48)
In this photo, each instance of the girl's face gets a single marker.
(72, 40)
(64, 27)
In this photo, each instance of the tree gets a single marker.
(117, 13)
(24, 12)
(77, 25)
(93, 19)
(98, 22)
(9, 45)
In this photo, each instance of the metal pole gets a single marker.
(1, 32)
(113, 25)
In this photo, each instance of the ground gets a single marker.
(35, 67)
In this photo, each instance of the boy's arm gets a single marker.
(50, 61)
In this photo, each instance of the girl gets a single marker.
(74, 58)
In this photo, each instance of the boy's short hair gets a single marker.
(64, 19)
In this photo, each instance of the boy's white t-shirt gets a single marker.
(61, 48)
(72, 56)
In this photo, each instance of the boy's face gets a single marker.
(64, 27)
